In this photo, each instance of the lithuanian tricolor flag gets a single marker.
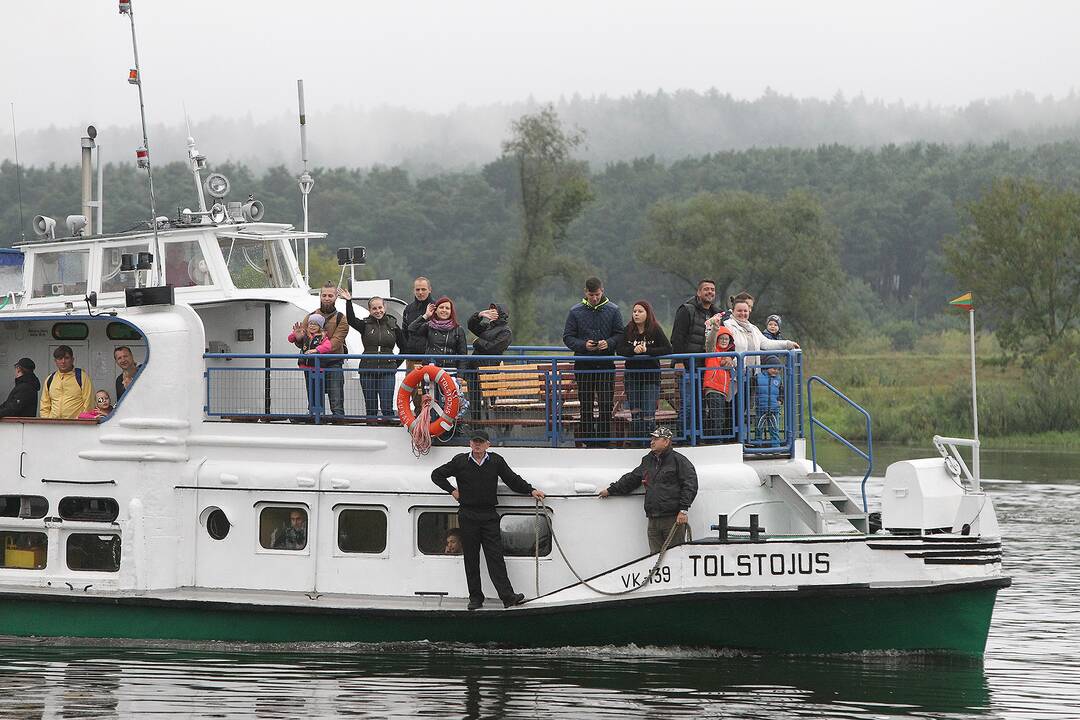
(964, 302)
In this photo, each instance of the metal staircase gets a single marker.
(821, 503)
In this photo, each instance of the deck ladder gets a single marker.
(820, 502)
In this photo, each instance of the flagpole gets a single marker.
(974, 402)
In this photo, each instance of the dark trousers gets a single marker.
(378, 387)
(333, 386)
(596, 388)
(480, 529)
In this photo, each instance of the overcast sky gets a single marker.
(65, 62)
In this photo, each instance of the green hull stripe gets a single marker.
(956, 621)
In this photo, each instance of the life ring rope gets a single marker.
(446, 414)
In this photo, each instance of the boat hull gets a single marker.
(949, 619)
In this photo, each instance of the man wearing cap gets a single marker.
(670, 482)
(478, 473)
(22, 401)
(68, 391)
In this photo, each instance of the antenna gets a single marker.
(306, 182)
(197, 162)
(143, 153)
(18, 179)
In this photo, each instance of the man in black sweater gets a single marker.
(478, 473)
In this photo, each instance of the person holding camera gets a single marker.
(493, 336)
(593, 328)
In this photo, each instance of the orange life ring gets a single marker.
(446, 414)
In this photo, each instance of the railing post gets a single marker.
(554, 402)
(691, 406)
(317, 390)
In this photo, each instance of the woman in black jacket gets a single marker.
(642, 342)
(380, 333)
(442, 333)
(493, 336)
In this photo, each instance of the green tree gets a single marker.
(553, 191)
(1020, 256)
(781, 251)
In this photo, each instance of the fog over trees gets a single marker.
(669, 126)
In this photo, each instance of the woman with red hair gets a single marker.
(642, 342)
(439, 328)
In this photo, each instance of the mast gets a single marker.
(143, 153)
(306, 182)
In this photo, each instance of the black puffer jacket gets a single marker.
(670, 482)
(492, 338)
(22, 401)
(379, 338)
(413, 345)
(439, 342)
(688, 327)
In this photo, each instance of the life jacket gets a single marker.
(716, 376)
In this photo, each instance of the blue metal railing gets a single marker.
(529, 399)
(868, 456)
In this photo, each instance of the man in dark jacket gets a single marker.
(478, 473)
(670, 482)
(593, 328)
(416, 309)
(336, 328)
(688, 327)
(493, 336)
(22, 401)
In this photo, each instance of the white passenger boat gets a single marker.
(216, 503)
(159, 521)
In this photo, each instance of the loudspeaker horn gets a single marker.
(253, 211)
(45, 227)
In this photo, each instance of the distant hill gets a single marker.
(667, 125)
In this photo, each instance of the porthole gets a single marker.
(217, 524)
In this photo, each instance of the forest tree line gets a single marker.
(840, 241)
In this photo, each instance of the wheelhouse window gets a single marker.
(362, 530)
(283, 528)
(185, 265)
(89, 509)
(92, 552)
(519, 535)
(25, 550)
(60, 273)
(437, 533)
(113, 279)
(257, 263)
(23, 506)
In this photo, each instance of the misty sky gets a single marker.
(65, 61)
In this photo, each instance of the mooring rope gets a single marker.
(536, 548)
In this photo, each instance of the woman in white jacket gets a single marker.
(748, 338)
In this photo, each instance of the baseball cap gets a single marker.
(662, 432)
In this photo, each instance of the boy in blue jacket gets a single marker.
(769, 401)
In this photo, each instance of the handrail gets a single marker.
(868, 456)
(688, 370)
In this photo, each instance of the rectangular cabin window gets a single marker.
(60, 273)
(437, 533)
(255, 263)
(519, 533)
(185, 265)
(362, 530)
(23, 506)
(113, 279)
(93, 553)
(283, 528)
(25, 550)
(89, 509)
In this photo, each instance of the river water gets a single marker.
(1029, 670)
